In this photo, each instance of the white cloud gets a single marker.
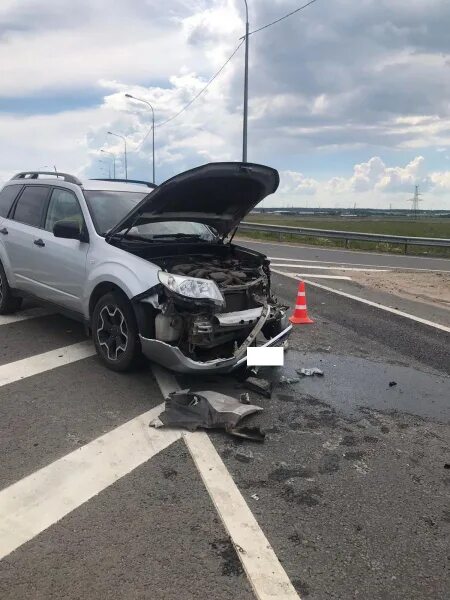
(367, 175)
(441, 181)
(294, 183)
(91, 41)
(402, 179)
(357, 81)
(32, 142)
(373, 184)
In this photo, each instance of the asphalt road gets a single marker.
(350, 487)
(334, 268)
(350, 257)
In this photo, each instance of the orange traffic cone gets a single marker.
(300, 316)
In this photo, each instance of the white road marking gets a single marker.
(40, 500)
(323, 276)
(264, 571)
(262, 567)
(35, 503)
(343, 264)
(374, 270)
(394, 311)
(24, 315)
(27, 367)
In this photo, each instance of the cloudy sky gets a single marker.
(349, 99)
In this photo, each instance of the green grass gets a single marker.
(394, 226)
(422, 227)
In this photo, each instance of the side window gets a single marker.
(7, 197)
(30, 205)
(63, 206)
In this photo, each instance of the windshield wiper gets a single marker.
(177, 236)
(121, 236)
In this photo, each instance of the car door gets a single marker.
(23, 234)
(61, 270)
(7, 197)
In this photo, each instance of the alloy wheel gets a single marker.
(112, 332)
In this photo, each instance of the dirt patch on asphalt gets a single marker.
(430, 288)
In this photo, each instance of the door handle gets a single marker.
(4, 231)
(39, 243)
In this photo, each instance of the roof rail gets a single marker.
(35, 175)
(139, 181)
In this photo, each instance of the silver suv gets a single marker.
(149, 271)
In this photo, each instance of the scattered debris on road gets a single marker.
(208, 410)
(288, 380)
(310, 372)
(255, 496)
(249, 433)
(244, 455)
(259, 385)
(244, 398)
(392, 383)
(361, 467)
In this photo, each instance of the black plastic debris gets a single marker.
(260, 386)
(253, 433)
(288, 380)
(206, 409)
(392, 383)
(447, 466)
(244, 372)
(244, 398)
(310, 372)
(244, 455)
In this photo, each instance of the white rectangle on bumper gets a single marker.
(265, 357)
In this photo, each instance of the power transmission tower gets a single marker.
(415, 201)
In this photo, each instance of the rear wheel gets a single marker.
(115, 333)
(8, 303)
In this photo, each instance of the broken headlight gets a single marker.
(192, 287)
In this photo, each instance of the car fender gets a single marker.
(133, 275)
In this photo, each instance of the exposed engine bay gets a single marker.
(224, 273)
(205, 330)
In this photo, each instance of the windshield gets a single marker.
(171, 230)
(108, 208)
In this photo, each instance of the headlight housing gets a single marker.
(192, 287)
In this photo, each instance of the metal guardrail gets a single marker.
(345, 235)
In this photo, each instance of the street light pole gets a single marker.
(109, 167)
(153, 126)
(245, 125)
(114, 161)
(125, 153)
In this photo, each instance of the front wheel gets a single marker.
(115, 333)
(8, 303)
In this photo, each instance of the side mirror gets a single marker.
(69, 230)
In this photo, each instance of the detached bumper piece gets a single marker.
(209, 410)
(173, 358)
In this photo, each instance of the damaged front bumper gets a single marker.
(173, 358)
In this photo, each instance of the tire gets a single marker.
(115, 333)
(8, 303)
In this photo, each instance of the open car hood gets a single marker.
(216, 194)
